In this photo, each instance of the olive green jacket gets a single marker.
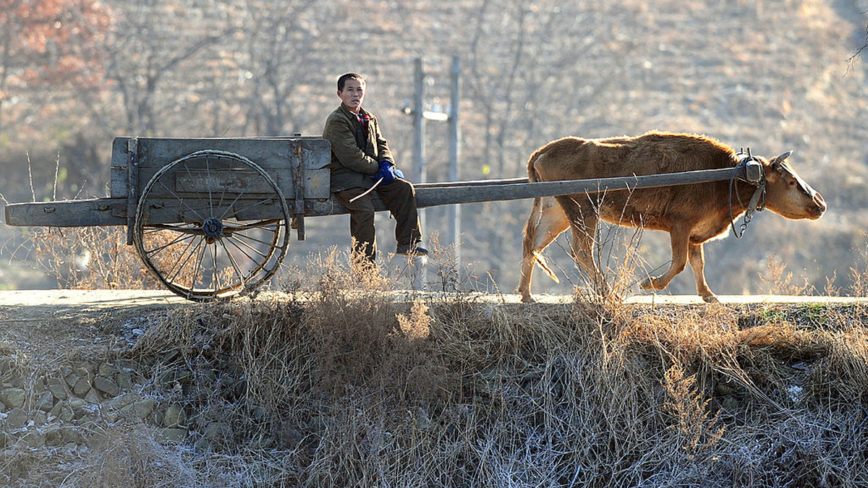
(355, 156)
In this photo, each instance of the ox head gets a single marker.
(787, 194)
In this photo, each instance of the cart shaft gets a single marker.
(114, 211)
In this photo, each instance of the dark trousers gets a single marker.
(399, 197)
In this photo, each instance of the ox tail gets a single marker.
(541, 261)
(533, 222)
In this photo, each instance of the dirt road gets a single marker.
(50, 324)
(21, 305)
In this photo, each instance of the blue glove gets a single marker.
(387, 172)
(398, 173)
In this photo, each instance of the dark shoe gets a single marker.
(414, 250)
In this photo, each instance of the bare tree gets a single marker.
(279, 59)
(47, 45)
(149, 44)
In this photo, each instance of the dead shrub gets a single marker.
(129, 455)
(87, 258)
(695, 429)
(778, 281)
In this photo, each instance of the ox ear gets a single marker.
(777, 160)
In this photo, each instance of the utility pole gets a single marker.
(419, 128)
(452, 235)
(454, 211)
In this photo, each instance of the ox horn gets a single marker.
(777, 160)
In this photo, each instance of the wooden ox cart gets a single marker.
(211, 218)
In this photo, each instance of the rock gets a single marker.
(34, 439)
(46, 402)
(71, 435)
(79, 408)
(85, 369)
(76, 403)
(174, 416)
(217, 431)
(289, 436)
(126, 364)
(62, 411)
(141, 409)
(13, 397)
(423, 421)
(5, 365)
(106, 370)
(16, 419)
(65, 371)
(123, 400)
(39, 418)
(202, 445)
(124, 380)
(55, 410)
(723, 389)
(82, 386)
(92, 396)
(57, 388)
(107, 386)
(54, 437)
(171, 435)
(259, 414)
(97, 440)
(184, 377)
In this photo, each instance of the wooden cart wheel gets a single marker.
(212, 225)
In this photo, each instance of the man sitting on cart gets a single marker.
(361, 160)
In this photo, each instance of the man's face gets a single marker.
(353, 94)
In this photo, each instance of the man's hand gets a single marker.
(388, 172)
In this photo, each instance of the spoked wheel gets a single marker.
(212, 225)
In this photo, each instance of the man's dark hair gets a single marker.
(348, 76)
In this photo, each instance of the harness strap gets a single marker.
(759, 195)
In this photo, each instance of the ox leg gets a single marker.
(546, 222)
(584, 228)
(679, 239)
(696, 255)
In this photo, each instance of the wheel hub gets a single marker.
(213, 228)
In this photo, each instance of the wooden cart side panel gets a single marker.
(274, 155)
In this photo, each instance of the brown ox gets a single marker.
(692, 214)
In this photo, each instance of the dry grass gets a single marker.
(341, 380)
(347, 385)
(85, 258)
(129, 455)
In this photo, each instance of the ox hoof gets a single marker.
(527, 299)
(647, 284)
(710, 299)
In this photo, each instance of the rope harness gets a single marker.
(749, 170)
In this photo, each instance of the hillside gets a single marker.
(770, 75)
(365, 387)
